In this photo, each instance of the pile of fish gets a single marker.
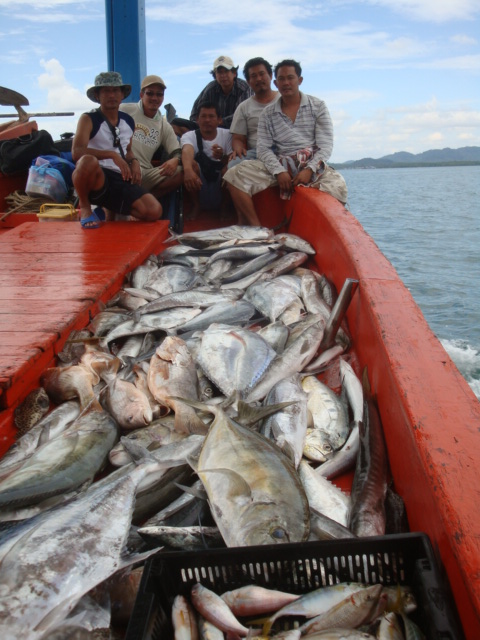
(194, 396)
(348, 611)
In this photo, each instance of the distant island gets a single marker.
(431, 158)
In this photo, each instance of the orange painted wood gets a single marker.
(431, 417)
(54, 277)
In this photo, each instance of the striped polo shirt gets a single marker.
(278, 135)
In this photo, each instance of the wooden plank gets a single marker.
(34, 307)
(56, 276)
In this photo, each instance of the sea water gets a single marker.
(427, 223)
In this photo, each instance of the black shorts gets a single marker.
(117, 195)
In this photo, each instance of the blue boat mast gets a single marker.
(126, 48)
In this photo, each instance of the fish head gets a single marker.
(262, 523)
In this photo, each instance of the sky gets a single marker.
(396, 75)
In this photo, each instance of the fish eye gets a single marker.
(279, 534)
(327, 447)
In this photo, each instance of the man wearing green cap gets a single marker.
(152, 133)
(107, 173)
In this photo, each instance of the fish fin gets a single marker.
(238, 485)
(196, 493)
(248, 414)
(137, 451)
(44, 436)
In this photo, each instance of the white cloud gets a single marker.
(61, 94)
(463, 40)
(437, 11)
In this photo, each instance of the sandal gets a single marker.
(94, 220)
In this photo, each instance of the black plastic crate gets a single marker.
(298, 568)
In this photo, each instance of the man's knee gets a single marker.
(147, 208)
(86, 169)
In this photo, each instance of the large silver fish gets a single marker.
(292, 360)
(233, 358)
(67, 553)
(200, 239)
(271, 298)
(49, 427)
(330, 421)
(288, 427)
(369, 487)
(64, 463)
(254, 492)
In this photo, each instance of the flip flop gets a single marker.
(94, 220)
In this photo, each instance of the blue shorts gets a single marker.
(210, 196)
(117, 195)
(251, 155)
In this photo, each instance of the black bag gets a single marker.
(17, 154)
(211, 169)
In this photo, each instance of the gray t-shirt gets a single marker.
(245, 119)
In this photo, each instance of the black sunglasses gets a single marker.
(116, 137)
(157, 94)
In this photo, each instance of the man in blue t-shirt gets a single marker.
(107, 173)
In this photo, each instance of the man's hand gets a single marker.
(169, 167)
(217, 152)
(303, 177)
(284, 180)
(238, 153)
(191, 180)
(123, 166)
(136, 172)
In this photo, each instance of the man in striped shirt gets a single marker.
(295, 141)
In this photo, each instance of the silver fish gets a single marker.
(370, 477)
(242, 472)
(140, 275)
(65, 554)
(172, 277)
(288, 427)
(234, 358)
(294, 243)
(182, 538)
(64, 463)
(192, 298)
(247, 268)
(49, 427)
(324, 496)
(270, 298)
(291, 361)
(330, 421)
(236, 312)
(200, 239)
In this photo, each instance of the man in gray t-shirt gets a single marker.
(258, 73)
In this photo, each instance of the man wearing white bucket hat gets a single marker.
(226, 91)
(107, 173)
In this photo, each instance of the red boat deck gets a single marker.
(54, 278)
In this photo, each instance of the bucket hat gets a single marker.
(108, 79)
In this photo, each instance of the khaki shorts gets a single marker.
(152, 177)
(251, 176)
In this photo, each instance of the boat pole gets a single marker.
(126, 42)
(338, 313)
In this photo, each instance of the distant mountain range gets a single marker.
(433, 157)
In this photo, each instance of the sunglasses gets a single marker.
(116, 137)
(157, 94)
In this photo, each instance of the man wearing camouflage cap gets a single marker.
(226, 91)
(107, 173)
